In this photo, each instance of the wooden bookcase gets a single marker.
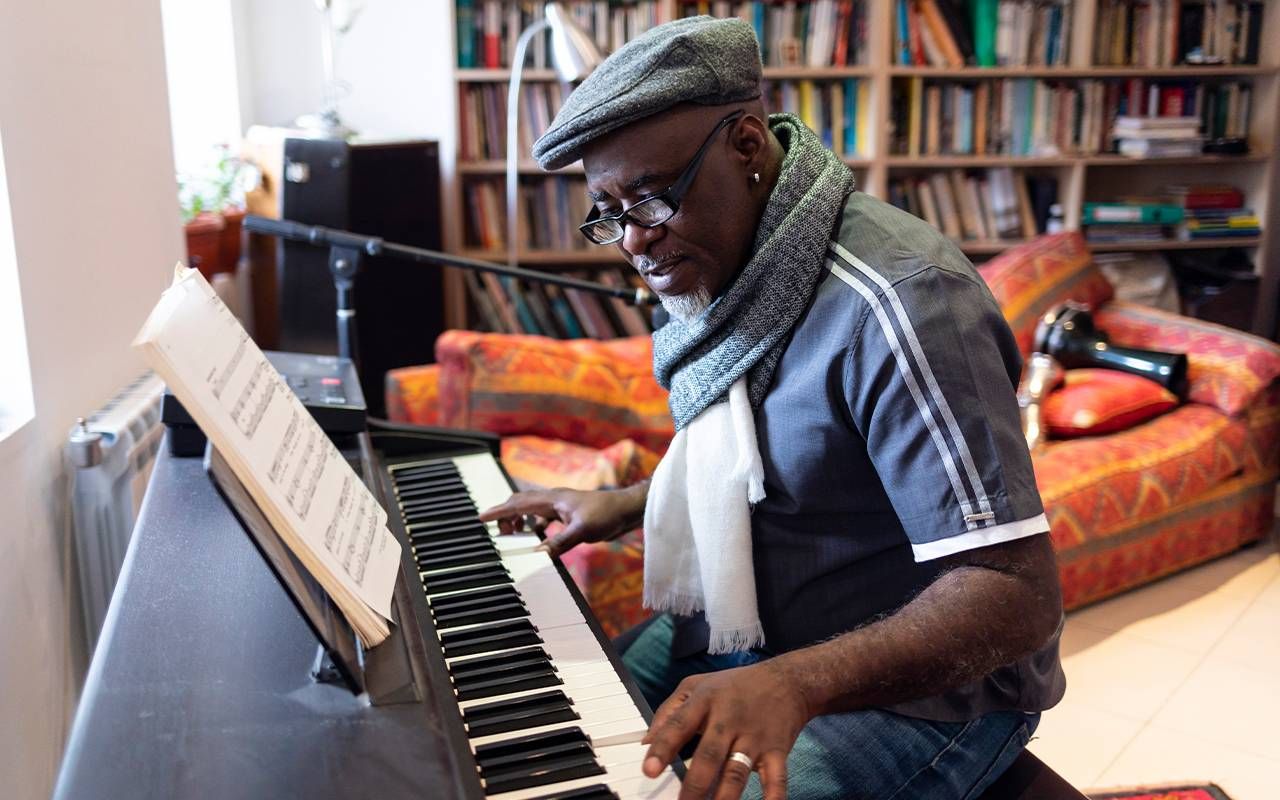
(1080, 178)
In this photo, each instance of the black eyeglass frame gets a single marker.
(671, 196)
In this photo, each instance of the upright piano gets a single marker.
(204, 681)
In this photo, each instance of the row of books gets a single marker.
(1184, 212)
(1025, 117)
(813, 33)
(1158, 137)
(821, 33)
(482, 117)
(553, 207)
(1162, 33)
(993, 204)
(1016, 117)
(952, 33)
(1212, 211)
(507, 305)
(839, 111)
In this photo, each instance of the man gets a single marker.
(845, 533)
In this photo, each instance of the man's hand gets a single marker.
(587, 516)
(752, 710)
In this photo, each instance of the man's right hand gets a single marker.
(587, 516)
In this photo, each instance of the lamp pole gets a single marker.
(574, 55)
(513, 136)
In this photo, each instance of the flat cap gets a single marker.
(694, 60)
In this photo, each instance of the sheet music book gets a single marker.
(308, 492)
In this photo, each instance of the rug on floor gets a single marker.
(1208, 791)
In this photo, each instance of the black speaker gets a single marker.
(386, 189)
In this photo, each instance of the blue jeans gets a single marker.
(860, 754)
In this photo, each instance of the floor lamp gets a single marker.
(573, 56)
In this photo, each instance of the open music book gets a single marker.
(308, 492)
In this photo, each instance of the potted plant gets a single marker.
(212, 201)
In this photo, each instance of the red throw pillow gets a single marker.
(1094, 401)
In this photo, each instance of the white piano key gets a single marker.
(484, 479)
(515, 544)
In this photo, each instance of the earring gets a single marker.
(755, 177)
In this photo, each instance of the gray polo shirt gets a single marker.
(891, 438)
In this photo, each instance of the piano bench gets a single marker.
(1029, 778)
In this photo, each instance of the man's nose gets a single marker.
(637, 240)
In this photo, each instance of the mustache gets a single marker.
(645, 264)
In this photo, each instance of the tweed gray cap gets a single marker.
(695, 60)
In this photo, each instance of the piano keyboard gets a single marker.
(545, 713)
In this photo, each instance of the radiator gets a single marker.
(106, 495)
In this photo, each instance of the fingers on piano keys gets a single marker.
(546, 713)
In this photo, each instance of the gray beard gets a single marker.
(687, 307)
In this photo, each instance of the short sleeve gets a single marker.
(931, 385)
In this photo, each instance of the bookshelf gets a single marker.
(1082, 57)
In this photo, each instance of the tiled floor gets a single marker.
(1179, 680)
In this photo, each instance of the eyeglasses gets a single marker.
(655, 210)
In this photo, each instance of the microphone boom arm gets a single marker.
(375, 246)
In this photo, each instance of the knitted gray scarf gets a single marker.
(747, 327)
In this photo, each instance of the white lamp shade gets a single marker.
(573, 53)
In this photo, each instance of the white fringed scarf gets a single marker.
(698, 516)
(697, 522)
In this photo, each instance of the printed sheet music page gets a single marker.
(305, 488)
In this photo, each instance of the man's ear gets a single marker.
(750, 138)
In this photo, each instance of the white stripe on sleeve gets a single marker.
(972, 540)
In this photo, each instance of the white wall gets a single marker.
(201, 68)
(95, 230)
(398, 59)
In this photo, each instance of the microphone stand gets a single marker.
(346, 249)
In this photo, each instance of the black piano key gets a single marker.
(440, 552)
(447, 540)
(432, 490)
(499, 663)
(578, 762)
(470, 577)
(463, 599)
(459, 511)
(526, 666)
(530, 678)
(507, 610)
(440, 530)
(498, 753)
(428, 523)
(530, 711)
(452, 540)
(486, 639)
(536, 760)
(481, 556)
(597, 791)
(420, 507)
(442, 467)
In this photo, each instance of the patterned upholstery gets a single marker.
(535, 462)
(1124, 508)
(413, 394)
(1129, 507)
(584, 391)
(1034, 278)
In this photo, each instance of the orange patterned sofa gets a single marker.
(1124, 508)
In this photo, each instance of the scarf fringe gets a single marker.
(733, 640)
(678, 603)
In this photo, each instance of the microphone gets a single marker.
(1069, 335)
